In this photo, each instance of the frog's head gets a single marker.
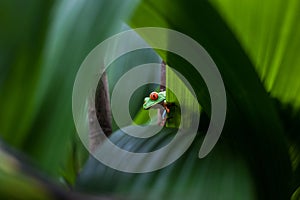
(154, 99)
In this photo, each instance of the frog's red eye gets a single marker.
(154, 95)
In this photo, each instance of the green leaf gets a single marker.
(124, 64)
(13, 175)
(252, 120)
(36, 92)
(268, 31)
(222, 175)
(21, 44)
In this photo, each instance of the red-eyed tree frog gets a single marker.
(156, 100)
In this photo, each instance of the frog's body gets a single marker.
(156, 101)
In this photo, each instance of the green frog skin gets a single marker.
(156, 100)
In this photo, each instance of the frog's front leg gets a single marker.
(164, 112)
(166, 106)
(162, 117)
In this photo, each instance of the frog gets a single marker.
(157, 100)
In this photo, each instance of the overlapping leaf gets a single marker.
(39, 73)
(268, 30)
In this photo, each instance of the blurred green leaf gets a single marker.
(19, 180)
(35, 96)
(13, 175)
(21, 44)
(222, 175)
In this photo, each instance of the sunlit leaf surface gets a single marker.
(268, 30)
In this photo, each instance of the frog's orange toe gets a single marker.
(168, 110)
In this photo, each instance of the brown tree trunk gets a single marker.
(99, 112)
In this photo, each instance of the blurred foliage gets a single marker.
(222, 175)
(19, 180)
(12, 176)
(255, 46)
(44, 45)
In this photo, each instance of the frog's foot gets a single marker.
(167, 109)
(169, 106)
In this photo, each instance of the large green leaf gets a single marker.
(252, 120)
(223, 175)
(42, 55)
(268, 31)
(21, 44)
